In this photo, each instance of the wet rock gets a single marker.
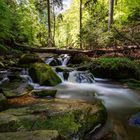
(79, 58)
(43, 74)
(31, 135)
(135, 120)
(3, 101)
(63, 69)
(109, 136)
(43, 93)
(55, 62)
(15, 89)
(28, 59)
(69, 118)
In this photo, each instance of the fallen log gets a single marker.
(74, 51)
(87, 52)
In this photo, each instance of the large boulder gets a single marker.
(115, 68)
(69, 118)
(31, 135)
(43, 74)
(43, 93)
(15, 89)
(79, 58)
(28, 59)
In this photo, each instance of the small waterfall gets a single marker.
(25, 75)
(81, 77)
(65, 59)
(49, 60)
(61, 60)
(3, 76)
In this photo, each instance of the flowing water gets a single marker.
(121, 102)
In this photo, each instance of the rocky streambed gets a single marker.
(31, 108)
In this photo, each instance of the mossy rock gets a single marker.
(63, 69)
(28, 59)
(31, 135)
(43, 93)
(69, 118)
(131, 83)
(43, 74)
(79, 58)
(3, 102)
(115, 68)
(15, 89)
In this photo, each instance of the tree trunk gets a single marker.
(110, 18)
(54, 25)
(80, 11)
(49, 25)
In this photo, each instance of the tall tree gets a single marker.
(111, 10)
(49, 25)
(80, 11)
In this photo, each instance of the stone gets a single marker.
(3, 102)
(28, 59)
(135, 120)
(43, 93)
(79, 58)
(31, 135)
(15, 89)
(43, 74)
(68, 117)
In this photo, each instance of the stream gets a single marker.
(122, 104)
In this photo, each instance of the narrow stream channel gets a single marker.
(121, 103)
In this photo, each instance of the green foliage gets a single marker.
(132, 83)
(115, 68)
(5, 21)
(95, 24)
(3, 48)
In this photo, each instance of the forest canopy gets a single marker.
(39, 22)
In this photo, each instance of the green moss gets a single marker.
(44, 93)
(115, 68)
(3, 49)
(132, 83)
(32, 135)
(43, 74)
(68, 118)
(28, 59)
(64, 123)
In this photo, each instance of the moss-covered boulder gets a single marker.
(79, 58)
(31, 135)
(115, 68)
(3, 102)
(15, 89)
(43, 93)
(69, 118)
(28, 59)
(43, 74)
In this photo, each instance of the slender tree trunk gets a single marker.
(49, 25)
(80, 11)
(54, 26)
(110, 17)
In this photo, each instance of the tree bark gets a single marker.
(49, 25)
(80, 11)
(110, 16)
